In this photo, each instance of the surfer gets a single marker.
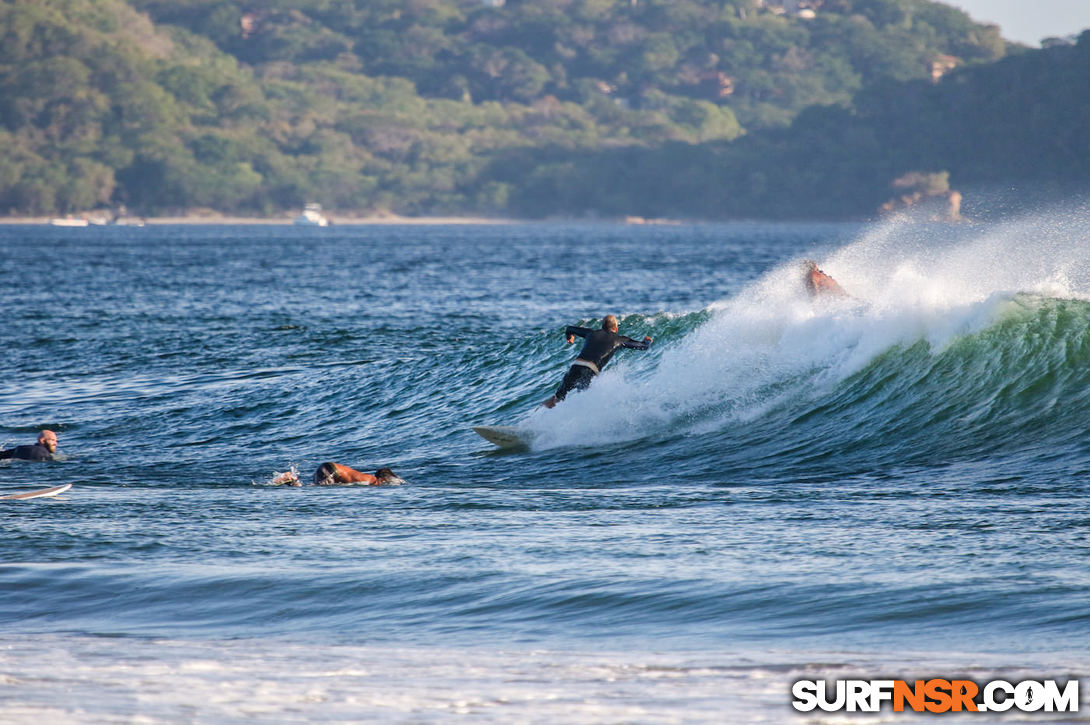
(597, 350)
(329, 474)
(43, 450)
(818, 283)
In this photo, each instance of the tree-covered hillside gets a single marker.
(653, 107)
(1018, 124)
(761, 58)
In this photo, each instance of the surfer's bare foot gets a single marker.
(550, 402)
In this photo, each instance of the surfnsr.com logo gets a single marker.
(935, 695)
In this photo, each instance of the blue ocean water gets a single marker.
(832, 481)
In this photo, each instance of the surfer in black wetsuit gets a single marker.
(597, 350)
(43, 450)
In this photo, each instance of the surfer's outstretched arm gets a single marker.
(636, 344)
(572, 331)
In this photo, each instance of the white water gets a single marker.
(92, 680)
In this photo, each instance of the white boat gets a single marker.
(69, 221)
(311, 217)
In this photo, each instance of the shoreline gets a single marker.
(198, 219)
(388, 220)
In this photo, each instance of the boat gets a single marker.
(311, 217)
(69, 221)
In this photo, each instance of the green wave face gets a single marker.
(955, 345)
(1023, 377)
(1018, 383)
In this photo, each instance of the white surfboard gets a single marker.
(504, 436)
(40, 493)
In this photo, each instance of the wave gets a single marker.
(956, 338)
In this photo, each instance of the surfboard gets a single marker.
(504, 436)
(40, 493)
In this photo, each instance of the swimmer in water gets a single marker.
(331, 474)
(597, 351)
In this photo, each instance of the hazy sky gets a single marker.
(1027, 21)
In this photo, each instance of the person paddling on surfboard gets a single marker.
(818, 283)
(43, 450)
(597, 350)
(329, 474)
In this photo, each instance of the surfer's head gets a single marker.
(609, 322)
(386, 476)
(48, 439)
(326, 474)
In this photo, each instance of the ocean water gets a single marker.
(889, 485)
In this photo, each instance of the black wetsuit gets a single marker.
(597, 350)
(28, 453)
